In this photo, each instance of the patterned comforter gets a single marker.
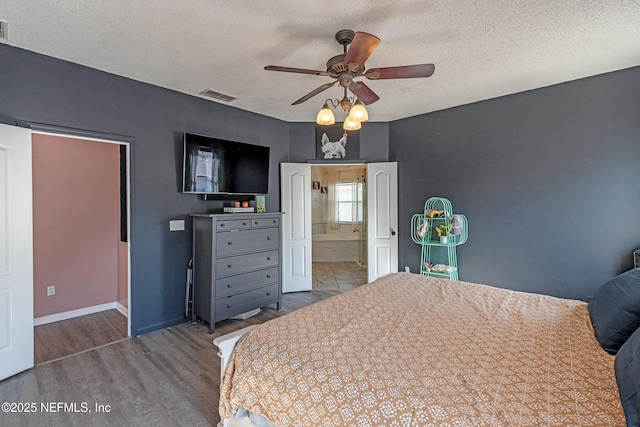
(411, 350)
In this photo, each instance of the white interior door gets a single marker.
(16, 251)
(295, 200)
(382, 231)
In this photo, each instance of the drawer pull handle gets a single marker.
(221, 225)
(268, 238)
(228, 286)
(274, 221)
(244, 223)
(228, 305)
(228, 265)
(268, 294)
(229, 243)
(268, 258)
(268, 276)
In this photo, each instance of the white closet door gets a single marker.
(295, 200)
(382, 231)
(16, 251)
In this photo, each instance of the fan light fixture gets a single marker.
(356, 112)
(346, 67)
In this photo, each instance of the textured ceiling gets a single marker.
(481, 49)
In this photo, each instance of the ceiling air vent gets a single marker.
(217, 95)
(4, 30)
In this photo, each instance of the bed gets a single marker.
(412, 350)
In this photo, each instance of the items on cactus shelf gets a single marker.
(439, 268)
(423, 228)
(443, 230)
(456, 224)
(437, 213)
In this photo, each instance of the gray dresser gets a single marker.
(236, 264)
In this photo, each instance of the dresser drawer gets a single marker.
(239, 303)
(250, 262)
(238, 242)
(265, 222)
(245, 282)
(233, 224)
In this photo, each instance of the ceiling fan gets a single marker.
(350, 65)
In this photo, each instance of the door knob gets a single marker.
(393, 232)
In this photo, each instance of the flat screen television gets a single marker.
(218, 166)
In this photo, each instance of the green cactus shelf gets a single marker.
(439, 231)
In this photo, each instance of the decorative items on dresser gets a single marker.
(236, 264)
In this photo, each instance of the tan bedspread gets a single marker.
(410, 350)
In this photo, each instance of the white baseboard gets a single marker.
(122, 309)
(74, 313)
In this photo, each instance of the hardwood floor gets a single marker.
(66, 337)
(169, 377)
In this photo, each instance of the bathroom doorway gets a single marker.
(296, 185)
(339, 226)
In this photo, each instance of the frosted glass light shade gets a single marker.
(350, 124)
(359, 113)
(325, 116)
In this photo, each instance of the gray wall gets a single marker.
(548, 180)
(41, 89)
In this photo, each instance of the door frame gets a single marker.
(108, 138)
(369, 213)
(372, 267)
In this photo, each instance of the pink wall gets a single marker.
(75, 222)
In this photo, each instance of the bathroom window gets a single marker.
(349, 202)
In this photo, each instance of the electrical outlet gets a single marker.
(51, 291)
(406, 268)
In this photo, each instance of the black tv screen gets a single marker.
(215, 166)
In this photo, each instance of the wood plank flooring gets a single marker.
(66, 337)
(169, 377)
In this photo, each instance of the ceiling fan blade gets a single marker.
(361, 48)
(364, 93)
(295, 70)
(314, 93)
(402, 72)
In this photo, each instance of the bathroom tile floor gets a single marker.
(338, 275)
